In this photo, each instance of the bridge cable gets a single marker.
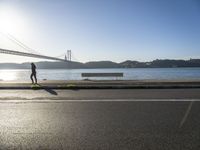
(19, 43)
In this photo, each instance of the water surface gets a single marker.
(129, 74)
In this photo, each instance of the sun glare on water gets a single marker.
(6, 75)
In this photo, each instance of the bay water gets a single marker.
(129, 74)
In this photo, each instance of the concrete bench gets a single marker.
(102, 74)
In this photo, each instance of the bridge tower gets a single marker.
(69, 55)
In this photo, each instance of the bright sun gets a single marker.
(10, 21)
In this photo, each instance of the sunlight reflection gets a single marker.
(7, 75)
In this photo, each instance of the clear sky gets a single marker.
(115, 30)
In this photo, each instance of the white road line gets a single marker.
(186, 114)
(98, 100)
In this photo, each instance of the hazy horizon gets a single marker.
(46, 60)
(112, 30)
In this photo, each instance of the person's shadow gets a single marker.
(49, 90)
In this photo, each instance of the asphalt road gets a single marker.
(51, 94)
(37, 120)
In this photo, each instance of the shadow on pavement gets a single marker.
(49, 90)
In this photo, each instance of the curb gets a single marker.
(102, 87)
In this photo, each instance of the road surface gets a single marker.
(100, 119)
(51, 94)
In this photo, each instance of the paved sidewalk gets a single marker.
(102, 84)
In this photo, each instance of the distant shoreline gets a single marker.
(164, 63)
(95, 68)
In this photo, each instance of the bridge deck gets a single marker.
(18, 53)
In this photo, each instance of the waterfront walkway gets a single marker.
(153, 115)
(102, 84)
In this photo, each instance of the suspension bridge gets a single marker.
(31, 52)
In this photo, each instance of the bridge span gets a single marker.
(13, 52)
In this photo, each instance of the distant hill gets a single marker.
(133, 64)
(159, 63)
(102, 64)
(59, 65)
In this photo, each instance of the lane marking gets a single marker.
(99, 100)
(186, 114)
